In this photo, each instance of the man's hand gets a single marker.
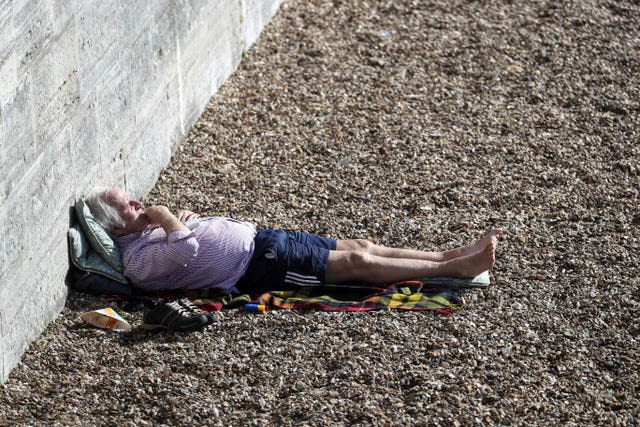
(186, 215)
(158, 213)
(161, 215)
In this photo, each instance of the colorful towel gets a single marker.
(410, 295)
(441, 295)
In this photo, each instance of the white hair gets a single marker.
(106, 215)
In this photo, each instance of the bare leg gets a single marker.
(386, 252)
(353, 265)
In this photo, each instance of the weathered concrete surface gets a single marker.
(94, 93)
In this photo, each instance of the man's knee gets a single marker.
(356, 245)
(359, 260)
(349, 265)
(364, 245)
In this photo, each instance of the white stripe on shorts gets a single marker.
(301, 280)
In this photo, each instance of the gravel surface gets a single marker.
(419, 124)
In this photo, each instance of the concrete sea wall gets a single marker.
(94, 93)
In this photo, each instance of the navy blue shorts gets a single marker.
(285, 260)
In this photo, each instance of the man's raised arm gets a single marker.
(162, 216)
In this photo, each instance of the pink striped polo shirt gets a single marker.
(215, 253)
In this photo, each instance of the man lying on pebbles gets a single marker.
(162, 251)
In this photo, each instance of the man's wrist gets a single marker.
(171, 224)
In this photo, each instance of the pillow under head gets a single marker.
(98, 238)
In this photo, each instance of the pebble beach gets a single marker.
(418, 124)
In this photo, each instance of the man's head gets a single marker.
(116, 212)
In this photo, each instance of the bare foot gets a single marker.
(492, 236)
(475, 263)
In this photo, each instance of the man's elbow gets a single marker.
(186, 251)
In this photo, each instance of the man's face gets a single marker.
(131, 211)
